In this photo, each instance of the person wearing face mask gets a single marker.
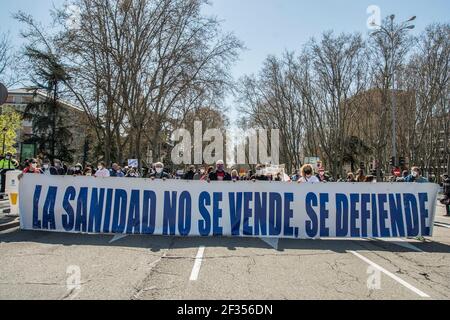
(220, 174)
(259, 174)
(159, 172)
(33, 167)
(102, 172)
(78, 170)
(416, 176)
(47, 169)
(307, 173)
(6, 164)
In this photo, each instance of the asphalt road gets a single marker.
(37, 265)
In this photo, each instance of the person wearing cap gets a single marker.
(220, 174)
(159, 172)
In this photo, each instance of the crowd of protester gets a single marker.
(306, 174)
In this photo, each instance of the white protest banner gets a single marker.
(242, 209)
(133, 163)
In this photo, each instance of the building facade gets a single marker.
(18, 99)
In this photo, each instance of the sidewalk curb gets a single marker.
(10, 225)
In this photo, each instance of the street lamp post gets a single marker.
(5, 130)
(392, 33)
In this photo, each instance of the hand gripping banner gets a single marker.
(241, 209)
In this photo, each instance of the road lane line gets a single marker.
(442, 225)
(197, 264)
(391, 275)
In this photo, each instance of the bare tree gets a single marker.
(138, 65)
(5, 56)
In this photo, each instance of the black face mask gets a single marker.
(308, 173)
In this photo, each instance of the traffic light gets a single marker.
(402, 162)
(392, 162)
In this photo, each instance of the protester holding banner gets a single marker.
(102, 172)
(416, 176)
(60, 168)
(33, 167)
(350, 177)
(220, 174)
(235, 176)
(295, 176)
(189, 175)
(78, 170)
(116, 171)
(307, 175)
(48, 169)
(159, 172)
(360, 177)
(322, 176)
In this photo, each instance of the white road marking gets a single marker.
(442, 225)
(197, 264)
(117, 237)
(391, 275)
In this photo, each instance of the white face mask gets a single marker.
(415, 174)
(100, 168)
(159, 170)
(46, 166)
(202, 171)
(34, 165)
(259, 172)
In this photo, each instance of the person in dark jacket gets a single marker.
(48, 169)
(190, 174)
(220, 174)
(60, 169)
(446, 189)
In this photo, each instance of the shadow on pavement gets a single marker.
(158, 243)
